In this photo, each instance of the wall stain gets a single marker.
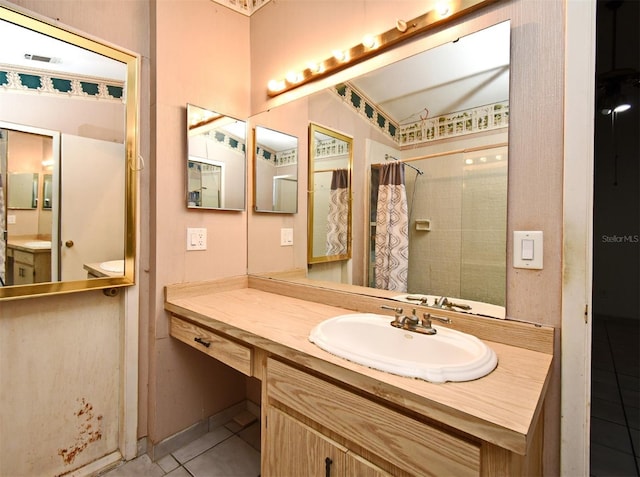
(89, 431)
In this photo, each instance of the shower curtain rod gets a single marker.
(387, 157)
(454, 151)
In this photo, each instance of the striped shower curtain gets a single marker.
(3, 244)
(338, 219)
(392, 230)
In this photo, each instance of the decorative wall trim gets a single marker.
(367, 109)
(246, 7)
(460, 123)
(228, 140)
(278, 159)
(27, 80)
(330, 148)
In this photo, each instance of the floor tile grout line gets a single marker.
(233, 434)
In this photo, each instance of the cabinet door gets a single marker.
(356, 466)
(295, 449)
(23, 274)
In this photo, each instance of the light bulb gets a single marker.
(369, 41)
(293, 77)
(339, 55)
(622, 107)
(443, 9)
(276, 85)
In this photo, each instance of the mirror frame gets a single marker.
(132, 62)
(311, 258)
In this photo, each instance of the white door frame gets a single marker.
(579, 90)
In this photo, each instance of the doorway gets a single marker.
(615, 361)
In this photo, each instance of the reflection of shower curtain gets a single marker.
(3, 212)
(338, 220)
(392, 230)
(3, 245)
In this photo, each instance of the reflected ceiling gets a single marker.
(476, 72)
(64, 57)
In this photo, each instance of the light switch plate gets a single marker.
(527, 249)
(286, 237)
(196, 238)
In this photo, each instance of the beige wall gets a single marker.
(536, 128)
(201, 56)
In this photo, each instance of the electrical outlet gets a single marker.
(11, 219)
(196, 239)
(286, 237)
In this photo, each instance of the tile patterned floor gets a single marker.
(615, 397)
(227, 451)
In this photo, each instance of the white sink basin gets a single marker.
(370, 340)
(38, 244)
(113, 266)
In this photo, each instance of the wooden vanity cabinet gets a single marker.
(309, 420)
(296, 449)
(30, 267)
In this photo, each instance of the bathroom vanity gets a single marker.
(30, 261)
(323, 415)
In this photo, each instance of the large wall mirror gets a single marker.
(329, 211)
(275, 168)
(216, 165)
(444, 114)
(68, 160)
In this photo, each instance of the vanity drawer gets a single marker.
(411, 445)
(229, 352)
(24, 257)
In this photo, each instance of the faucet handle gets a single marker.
(397, 311)
(428, 317)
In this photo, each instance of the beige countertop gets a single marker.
(501, 408)
(22, 244)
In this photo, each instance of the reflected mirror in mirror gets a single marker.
(72, 94)
(216, 164)
(275, 171)
(431, 111)
(22, 190)
(329, 230)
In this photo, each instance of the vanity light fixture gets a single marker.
(444, 12)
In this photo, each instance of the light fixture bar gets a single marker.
(441, 14)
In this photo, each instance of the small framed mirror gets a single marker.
(330, 164)
(275, 171)
(22, 190)
(216, 163)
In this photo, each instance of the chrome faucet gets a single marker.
(443, 302)
(413, 323)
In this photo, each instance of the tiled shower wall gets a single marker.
(463, 253)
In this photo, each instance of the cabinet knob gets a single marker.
(69, 243)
